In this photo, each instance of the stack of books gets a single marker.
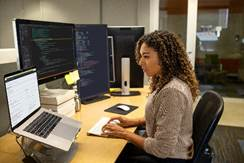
(59, 100)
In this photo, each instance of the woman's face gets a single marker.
(149, 60)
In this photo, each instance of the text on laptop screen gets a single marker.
(22, 95)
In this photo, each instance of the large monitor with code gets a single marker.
(49, 46)
(93, 62)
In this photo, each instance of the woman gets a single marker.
(168, 114)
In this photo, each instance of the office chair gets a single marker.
(205, 119)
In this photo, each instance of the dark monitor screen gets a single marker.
(124, 43)
(49, 46)
(92, 58)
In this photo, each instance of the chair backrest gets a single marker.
(205, 119)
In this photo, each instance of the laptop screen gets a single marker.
(22, 95)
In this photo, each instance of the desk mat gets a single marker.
(116, 110)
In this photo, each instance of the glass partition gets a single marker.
(220, 47)
(173, 17)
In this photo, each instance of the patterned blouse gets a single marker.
(168, 118)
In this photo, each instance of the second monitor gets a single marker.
(92, 58)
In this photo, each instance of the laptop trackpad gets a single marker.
(65, 131)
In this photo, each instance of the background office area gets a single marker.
(217, 52)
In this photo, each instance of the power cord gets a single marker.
(17, 137)
(28, 158)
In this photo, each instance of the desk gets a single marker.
(86, 148)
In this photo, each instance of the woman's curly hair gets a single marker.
(173, 60)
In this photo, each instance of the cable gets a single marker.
(20, 145)
(27, 157)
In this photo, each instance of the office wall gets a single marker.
(8, 55)
(9, 10)
(75, 11)
(4, 118)
(111, 12)
(143, 14)
(116, 12)
(7, 64)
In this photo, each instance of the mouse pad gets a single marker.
(114, 109)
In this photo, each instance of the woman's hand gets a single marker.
(124, 122)
(114, 130)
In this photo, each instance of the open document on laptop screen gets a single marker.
(22, 95)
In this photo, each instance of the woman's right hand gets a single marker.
(123, 121)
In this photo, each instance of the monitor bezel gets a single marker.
(11, 76)
(86, 99)
(46, 78)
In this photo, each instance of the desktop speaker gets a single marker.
(125, 80)
(125, 76)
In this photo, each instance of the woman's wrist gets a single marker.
(135, 122)
(140, 122)
(127, 135)
(134, 138)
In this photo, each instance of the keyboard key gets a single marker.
(43, 124)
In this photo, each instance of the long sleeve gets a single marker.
(168, 123)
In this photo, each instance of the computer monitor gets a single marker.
(49, 46)
(123, 41)
(93, 63)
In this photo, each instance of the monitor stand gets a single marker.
(121, 93)
(125, 80)
(38, 152)
(94, 99)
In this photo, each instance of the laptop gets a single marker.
(28, 119)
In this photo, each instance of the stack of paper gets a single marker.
(56, 96)
(67, 108)
(59, 100)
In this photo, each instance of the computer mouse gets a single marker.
(116, 121)
(123, 107)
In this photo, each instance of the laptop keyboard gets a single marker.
(43, 124)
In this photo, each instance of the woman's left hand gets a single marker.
(114, 130)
